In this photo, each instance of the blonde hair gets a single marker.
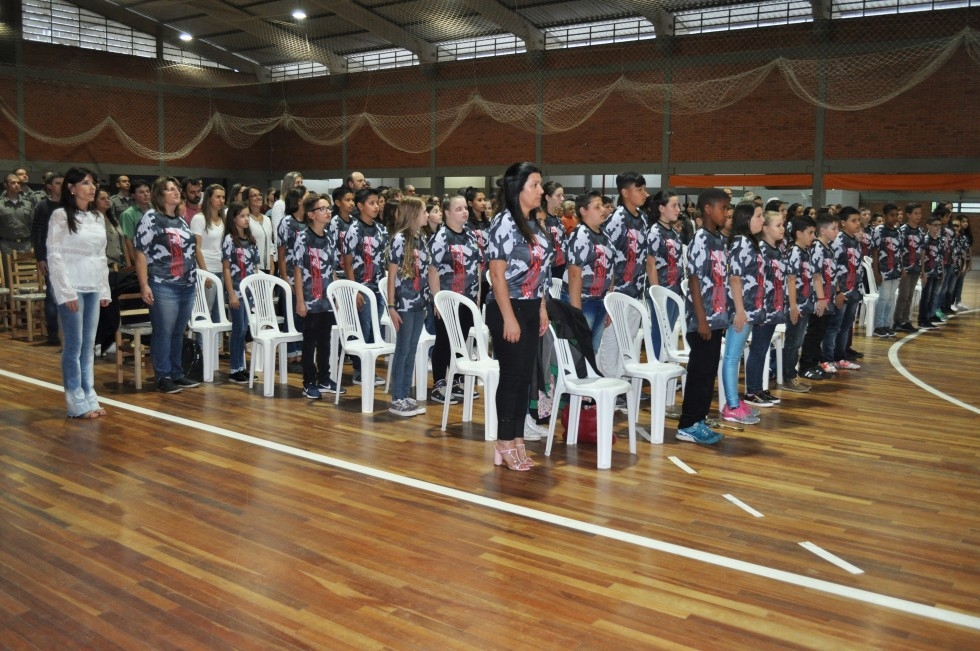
(406, 221)
(770, 216)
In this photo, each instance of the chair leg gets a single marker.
(269, 370)
(490, 406)
(604, 417)
(368, 367)
(658, 408)
(632, 410)
(574, 411)
(556, 400)
(468, 381)
(138, 360)
(445, 405)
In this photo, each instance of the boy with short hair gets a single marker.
(707, 317)
(343, 208)
(886, 260)
(364, 246)
(805, 298)
(825, 264)
(932, 272)
(847, 251)
(912, 237)
(315, 258)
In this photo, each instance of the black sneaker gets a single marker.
(459, 391)
(891, 332)
(907, 327)
(756, 400)
(850, 353)
(186, 383)
(330, 387)
(813, 374)
(927, 325)
(166, 385)
(765, 395)
(438, 394)
(880, 332)
(239, 377)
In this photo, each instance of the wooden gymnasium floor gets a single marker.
(219, 519)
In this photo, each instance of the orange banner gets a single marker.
(900, 182)
(740, 180)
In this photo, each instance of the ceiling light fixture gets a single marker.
(185, 37)
(299, 14)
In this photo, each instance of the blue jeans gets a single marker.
(78, 353)
(169, 314)
(672, 314)
(366, 326)
(834, 346)
(406, 342)
(885, 309)
(595, 315)
(734, 345)
(791, 346)
(756, 364)
(50, 310)
(239, 326)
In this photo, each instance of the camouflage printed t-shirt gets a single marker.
(338, 231)
(366, 245)
(627, 236)
(912, 240)
(707, 259)
(798, 264)
(316, 256)
(847, 252)
(458, 259)
(289, 230)
(775, 284)
(932, 258)
(412, 293)
(528, 269)
(746, 262)
(664, 245)
(169, 247)
(888, 242)
(590, 251)
(558, 236)
(243, 260)
(825, 265)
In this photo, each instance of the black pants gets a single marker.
(516, 363)
(441, 349)
(927, 298)
(702, 368)
(316, 347)
(813, 341)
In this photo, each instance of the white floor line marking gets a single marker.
(789, 578)
(742, 505)
(893, 358)
(683, 466)
(827, 556)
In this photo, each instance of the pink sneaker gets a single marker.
(846, 365)
(740, 414)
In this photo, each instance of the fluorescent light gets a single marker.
(299, 14)
(184, 36)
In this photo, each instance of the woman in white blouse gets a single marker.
(79, 277)
(261, 227)
(208, 227)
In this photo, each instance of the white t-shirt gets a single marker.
(210, 242)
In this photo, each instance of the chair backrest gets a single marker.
(258, 292)
(554, 290)
(24, 275)
(448, 304)
(659, 297)
(202, 311)
(625, 311)
(869, 274)
(132, 310)
(343, 295)
(566, 359)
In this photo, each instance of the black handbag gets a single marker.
(192, 360)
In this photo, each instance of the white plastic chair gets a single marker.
(343, 295)
(202, 324)
(602, 390)
(461, 363)
(258, 292)
(870, 297)
(662, 376)
(554, 289)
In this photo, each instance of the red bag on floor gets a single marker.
(586, 423)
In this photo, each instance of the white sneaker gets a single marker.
(533, 431)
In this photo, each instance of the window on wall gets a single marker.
(862, 8)
(62, 23)
(742, 16)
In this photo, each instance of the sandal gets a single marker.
(90, 415)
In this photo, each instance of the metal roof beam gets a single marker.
(511, 21)
(381, 27)
(662, 20)
(152, 27)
